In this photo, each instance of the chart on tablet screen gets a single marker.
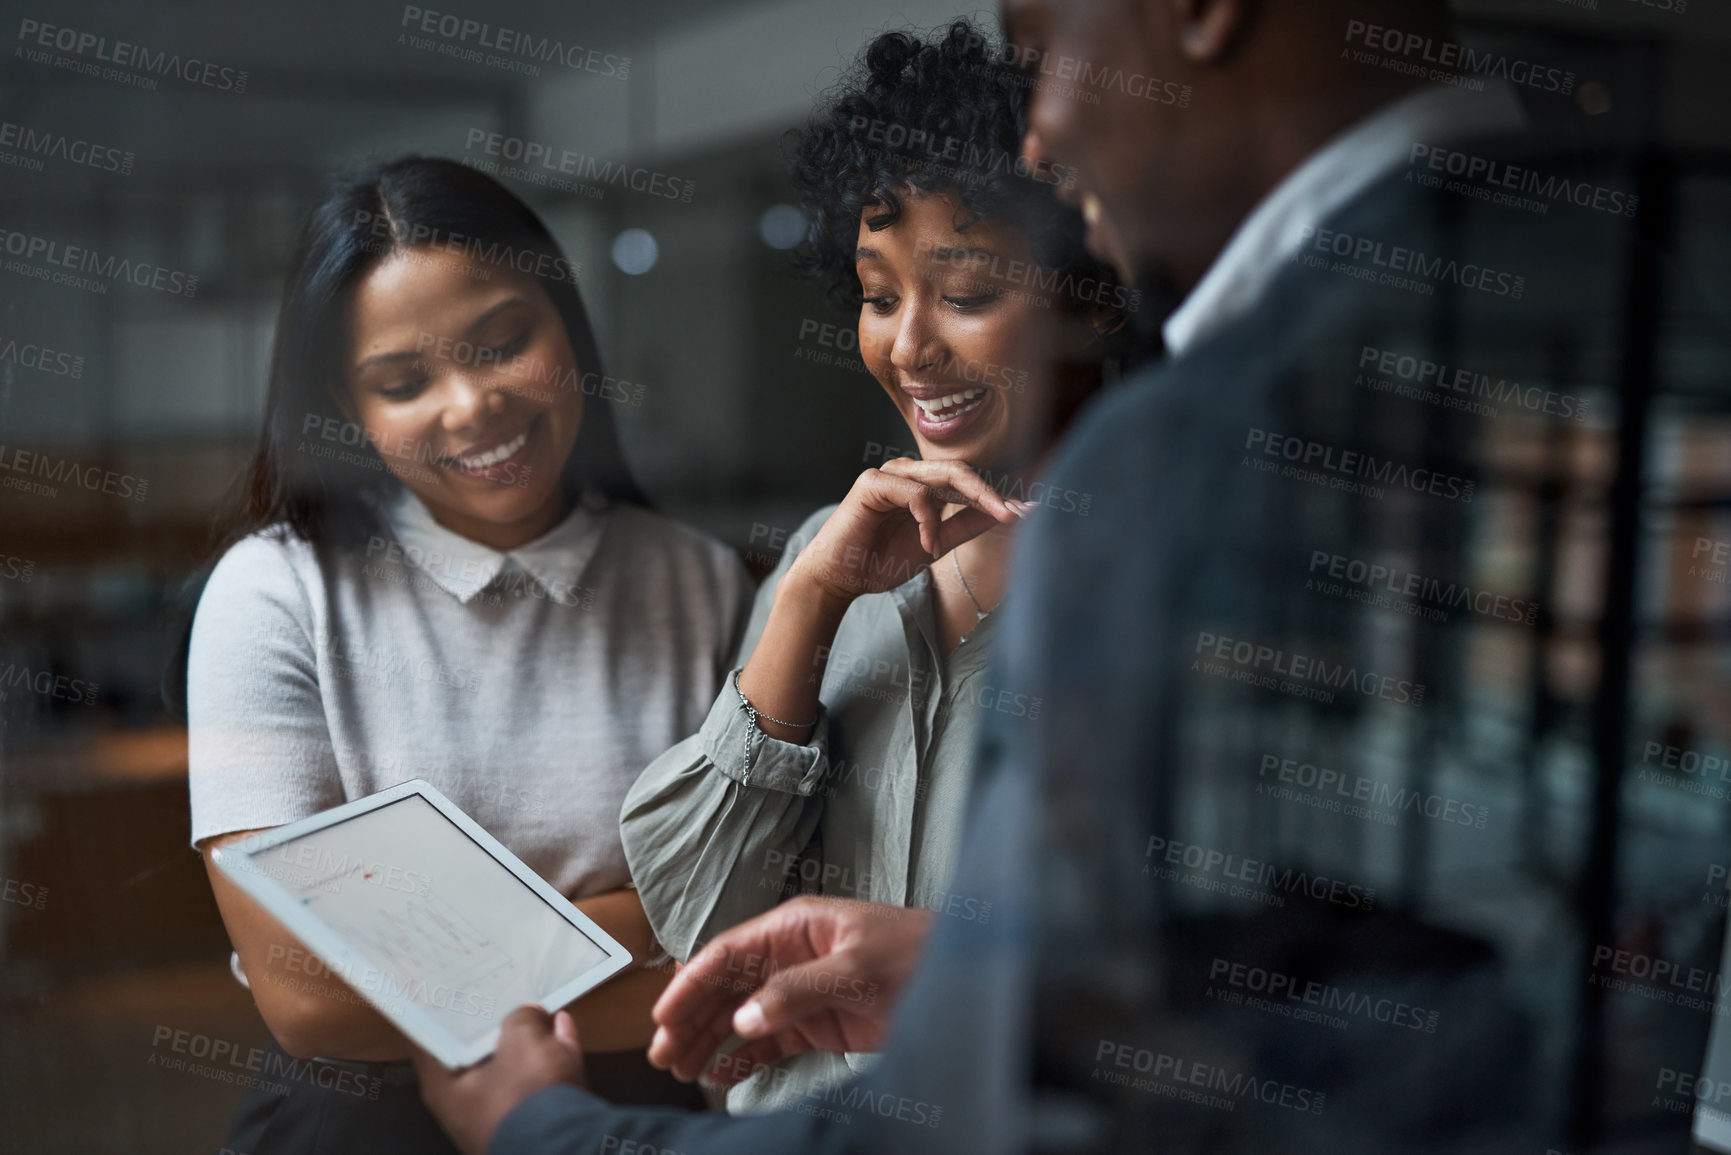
(438, 921)
(419, 937)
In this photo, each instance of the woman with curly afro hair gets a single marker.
(836, 759)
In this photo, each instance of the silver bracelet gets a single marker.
(752, 714)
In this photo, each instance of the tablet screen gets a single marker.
(439, 921)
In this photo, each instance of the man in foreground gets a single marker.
(1277, 867)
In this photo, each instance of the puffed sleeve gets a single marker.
(713, 829)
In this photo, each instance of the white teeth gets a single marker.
(494, 456)
(934, 406)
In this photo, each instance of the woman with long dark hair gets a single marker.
(440, 567)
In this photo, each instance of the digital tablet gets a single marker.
(407, 900)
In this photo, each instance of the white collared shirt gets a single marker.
(1311, 193)
(531, 686)
(463, 567)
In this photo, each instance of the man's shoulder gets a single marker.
(1413, 271)
(1131, 429)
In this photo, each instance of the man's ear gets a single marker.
(1207, 29)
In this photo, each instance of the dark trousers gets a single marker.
(318, 1107)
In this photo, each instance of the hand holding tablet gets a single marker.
(426, 915)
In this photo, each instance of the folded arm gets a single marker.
(712, 826)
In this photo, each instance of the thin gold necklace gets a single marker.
(979, 613)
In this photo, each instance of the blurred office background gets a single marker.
(754, 412)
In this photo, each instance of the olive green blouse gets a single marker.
(730, 821)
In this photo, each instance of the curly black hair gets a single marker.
(946, 115)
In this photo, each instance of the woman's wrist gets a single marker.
(781, 679)
(811, 602)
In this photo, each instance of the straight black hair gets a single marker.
(366, 216)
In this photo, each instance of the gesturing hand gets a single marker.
(891, 525)
(811, 975)
(536, 1051)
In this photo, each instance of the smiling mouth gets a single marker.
(487, 459)
(953, 405)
